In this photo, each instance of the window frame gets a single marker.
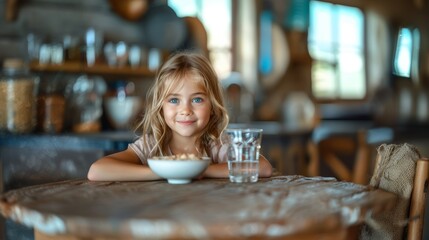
(338, 98)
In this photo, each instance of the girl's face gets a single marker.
(187, 108)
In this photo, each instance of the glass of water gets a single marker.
(243, 154)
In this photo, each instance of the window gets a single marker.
(402, 63)
(336, 43)
(406, 54)
(216, 16)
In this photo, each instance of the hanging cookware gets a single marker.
(197, 37)
(163, 28)
(130, 10)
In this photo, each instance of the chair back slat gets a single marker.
(418, 200)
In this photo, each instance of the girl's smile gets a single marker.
(186, 122)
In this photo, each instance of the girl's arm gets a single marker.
(217, 170)
(120, 166)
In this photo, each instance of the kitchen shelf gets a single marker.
(98, 68)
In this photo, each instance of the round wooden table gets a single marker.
(286, 207)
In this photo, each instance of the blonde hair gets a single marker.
(173, 72)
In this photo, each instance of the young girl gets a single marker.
(185, 113)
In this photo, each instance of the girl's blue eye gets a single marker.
(197, 100)
(173, 100)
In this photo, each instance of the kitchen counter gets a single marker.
(106, 141)
(28, 159)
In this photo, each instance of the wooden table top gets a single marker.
(284, 206)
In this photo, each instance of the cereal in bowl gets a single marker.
(183, 156)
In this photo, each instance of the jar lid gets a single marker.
(15, 67)
(13, 63)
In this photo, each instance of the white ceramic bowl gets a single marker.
(178, 171)
(122, 112)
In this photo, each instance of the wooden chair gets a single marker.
(349, 155)
(331, 152)
(416, 212)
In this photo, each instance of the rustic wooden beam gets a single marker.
(11, 9)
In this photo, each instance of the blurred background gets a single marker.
(327, 80)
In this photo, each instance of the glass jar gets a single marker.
(50, 107)
(85, 100)
(18, 97)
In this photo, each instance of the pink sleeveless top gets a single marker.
(142, 149)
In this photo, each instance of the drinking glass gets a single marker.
(243, 154)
